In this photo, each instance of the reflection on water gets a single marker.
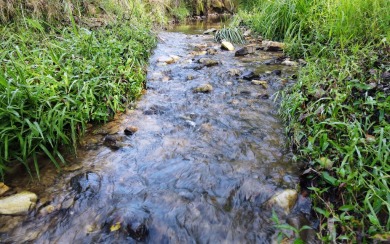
(199, 169)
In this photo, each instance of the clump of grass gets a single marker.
(53, 83)
(231, 34)
(337, 114)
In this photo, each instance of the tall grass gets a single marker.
(55, 80)
(337, 114)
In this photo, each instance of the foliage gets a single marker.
(231, 34)
(337, 114)
(53, 81)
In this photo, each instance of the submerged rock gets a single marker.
(112, 142)
(138, 233)
(208, 62)
(130, 130)
(250, 75)
(225, 45)
(263, 83)
(234, 72)
(18, 204)
(205, 88)
(211, 51)
(285, 200)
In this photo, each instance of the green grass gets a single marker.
(54, 82)
(337, 113)
(230, 34)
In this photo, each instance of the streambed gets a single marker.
(199, 167)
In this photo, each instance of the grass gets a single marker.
(230, 34)
(55, 80)
(337, 113)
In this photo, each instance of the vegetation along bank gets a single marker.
(338, 112)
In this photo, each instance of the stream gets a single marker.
(194, 167)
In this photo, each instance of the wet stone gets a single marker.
(205, 88)
(138, 233)
(234, 72)
(130, 130)
(209, 31)
(18, 204)
(249, 75)
(277, 72)
(111, 142)
(208, 62)
(86, 184)
(211, 51)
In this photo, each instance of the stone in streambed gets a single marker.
(263, 83)
(288, 62)
(130, 130)
(249, 75)
(205, 88)
(285, 200)
(273, 46)
(208, 62)
(245, 50)
(18, 204)
(299, 221)
(225, 45)
(211, 51)
(209, 31)
(234, 72)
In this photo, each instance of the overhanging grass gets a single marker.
(337, 114)
(53, 83)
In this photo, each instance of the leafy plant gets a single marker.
(231, 34)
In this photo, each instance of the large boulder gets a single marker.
(18, 204)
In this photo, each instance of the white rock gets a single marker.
(285, 199)
(227, 46)
(288, 62)
(19, 203)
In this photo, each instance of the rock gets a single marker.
(198, 53)
(3, 188)
(276, 72)
(190, 77)
(234, 72)
(288, 62)
(47, 210)
(18, 204)
(386, 76)
(208, 62)
(263, 96)
(285, 199)
(86, 184)
(225, 45)
(130, 130)
(209, 31)
(168, 60)
(111, 142)
(211, 51)
(273, 46)
(241, 52)
(249, 75)
(138, 233)
(205, 88)
(260, 82)
(245, 50)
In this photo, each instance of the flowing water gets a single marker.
(200, 168)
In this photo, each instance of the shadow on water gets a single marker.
(200, 168)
